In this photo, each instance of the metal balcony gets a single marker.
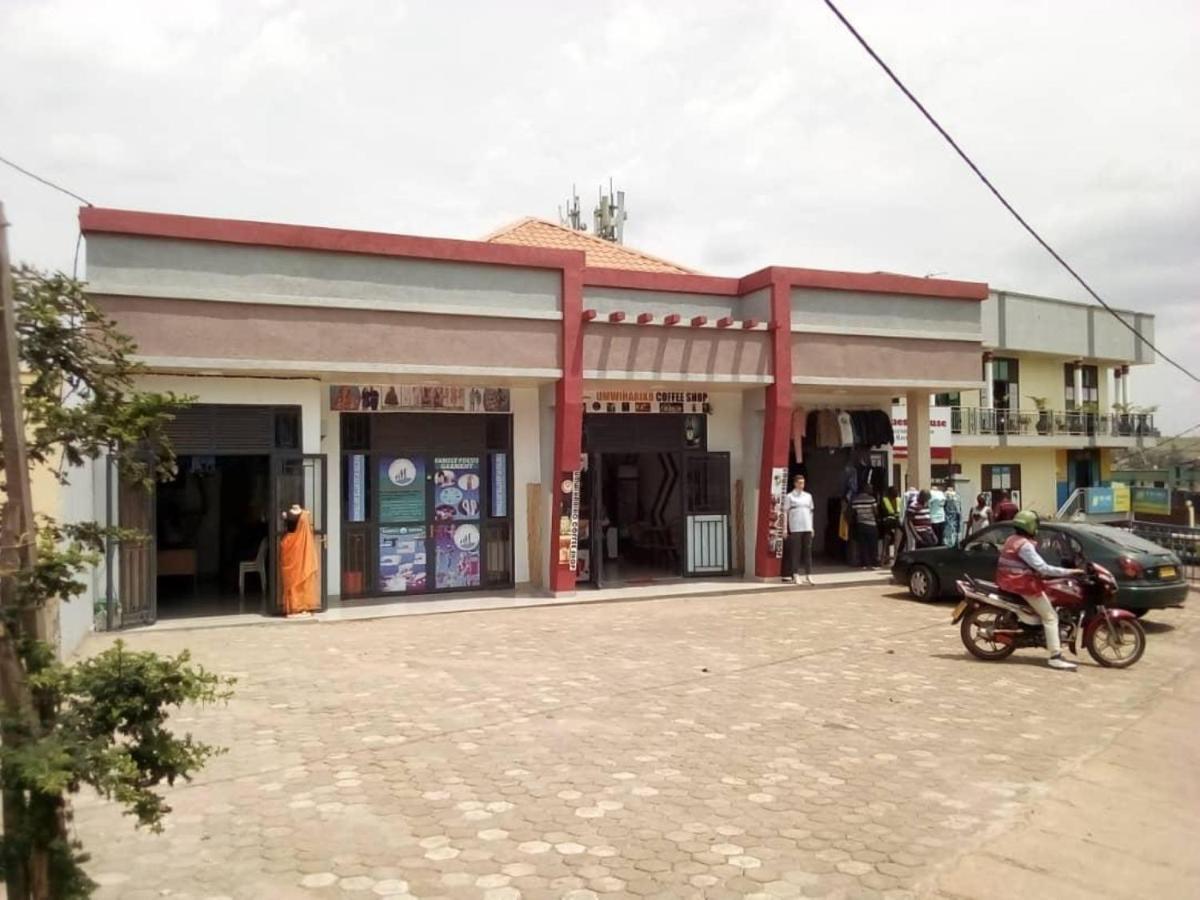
(973, 421)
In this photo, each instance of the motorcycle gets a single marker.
(996, 623)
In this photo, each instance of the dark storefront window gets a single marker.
(427, 502)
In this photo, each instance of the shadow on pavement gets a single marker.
(1025, 660)
(1151, 627)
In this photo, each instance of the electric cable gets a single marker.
(991, 187)
(45, 181)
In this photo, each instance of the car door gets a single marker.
(981, 551)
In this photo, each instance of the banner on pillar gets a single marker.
(940, 437)
(777, 528)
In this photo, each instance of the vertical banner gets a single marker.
(358, 488)
(401, 489)
(568, 521)
(499, 483)
(777, 528)
(402, 567)
(456, 488)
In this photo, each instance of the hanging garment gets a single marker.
(299, 571)
(953, 531)
(845, 429)
(799, 426)
(856, 428)
(828, 432)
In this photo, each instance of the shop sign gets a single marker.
(620, 401)
(402, 559)
(777, 527)
(1098, 500)
(939, 432)
(568, 522)
(418, 398)
(358, 487)
(1122, 501)
(457, 548)
(1155, 501)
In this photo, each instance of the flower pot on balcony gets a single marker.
(1045, 421)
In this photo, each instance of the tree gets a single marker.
(101, 722)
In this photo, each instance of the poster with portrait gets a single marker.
(457, 549)
(777, 524)
(402, 560)
(456, 489)
(401, 489)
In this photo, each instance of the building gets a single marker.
(1053, 407)
(483, 415)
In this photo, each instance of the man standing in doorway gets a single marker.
(1006, 510)
(798, 509)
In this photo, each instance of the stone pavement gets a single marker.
(802, 743)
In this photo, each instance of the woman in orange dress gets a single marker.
(299, 571)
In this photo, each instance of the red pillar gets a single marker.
(777, 420)
(568, 416)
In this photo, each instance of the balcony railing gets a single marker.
(972, 420)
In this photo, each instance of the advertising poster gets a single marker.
(777, 527)
(1154, 501)
(1121, 498)
(456, 488)
(499, 479)
(402, 560)
(622, 401)
(457, 548)
(401, 489)
(418, 397)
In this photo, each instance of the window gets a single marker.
(991, 540)
(1006, 377)
(1001, 478)
(1091, 386)
(954, 399)
(1059, 548)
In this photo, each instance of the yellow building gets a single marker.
(1053, 403)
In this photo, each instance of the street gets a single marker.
(796, 743)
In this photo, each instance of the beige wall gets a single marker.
(705, 352)
(893, 359)
(1038, 472)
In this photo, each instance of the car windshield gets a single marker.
(1118, 538)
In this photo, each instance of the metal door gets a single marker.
(301, 479)
(135, 598)
(707, 514)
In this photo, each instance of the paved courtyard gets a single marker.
(820, 743)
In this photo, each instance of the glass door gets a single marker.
(706, 513)
(297, 480)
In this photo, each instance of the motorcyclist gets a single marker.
(1021, 569)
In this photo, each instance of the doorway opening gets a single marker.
(212, 554)
(640, 516)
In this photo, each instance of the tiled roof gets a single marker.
(533, 232)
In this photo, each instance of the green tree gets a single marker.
(101, 722)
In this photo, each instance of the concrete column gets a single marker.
(1078, 383)
(1112, 378)
(1125, 384)
(919, 462)
(568, 421)
(776, 422)
(989, 369)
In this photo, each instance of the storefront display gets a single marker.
(402, 559)
(418, 397)
(457, 548)
(456, 488)
(401, 489)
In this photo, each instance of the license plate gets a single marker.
(958, 611)
(1166, 572)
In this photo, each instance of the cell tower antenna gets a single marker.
(574, 217)
(610, 215)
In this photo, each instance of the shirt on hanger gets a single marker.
(846, 428)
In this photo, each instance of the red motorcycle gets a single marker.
(996, 623)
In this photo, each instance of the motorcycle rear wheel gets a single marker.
(1117, 645)
(976, 625)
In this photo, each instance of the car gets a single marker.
(1148, 576)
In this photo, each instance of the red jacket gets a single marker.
(1012, 572)
(1005, 510)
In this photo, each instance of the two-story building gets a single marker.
(1053, 406)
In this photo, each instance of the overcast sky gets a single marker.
(744, 134)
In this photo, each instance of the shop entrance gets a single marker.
(655, 504)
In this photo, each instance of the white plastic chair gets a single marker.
(258, 566)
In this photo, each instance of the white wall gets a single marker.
(753, 422)
(527, 469)
(725, 434)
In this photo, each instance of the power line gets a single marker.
(45, 181)
(991, 187)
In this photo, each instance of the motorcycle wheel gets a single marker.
(975, 627)
(1117, 645)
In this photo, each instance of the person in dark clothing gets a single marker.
(1005, 509)
(918, 526)
(866, 529)
(889, 523)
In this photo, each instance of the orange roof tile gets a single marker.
(534, 232)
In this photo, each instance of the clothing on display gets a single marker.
(828, 428)
(799, 428)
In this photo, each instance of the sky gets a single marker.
(743, 134)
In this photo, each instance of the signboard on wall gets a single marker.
(456, 488)
(568, 521)
(634, 401)
(401, 489)
(940, 437)
(1154, 501)
(418, 398)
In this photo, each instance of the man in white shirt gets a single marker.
(798, 508)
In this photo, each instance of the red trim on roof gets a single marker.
(594, 276)
(94, 220)
(885, 283)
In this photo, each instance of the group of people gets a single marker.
(936, 518)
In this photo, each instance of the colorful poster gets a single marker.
(457, 548)
(777, 526)
(401, 489)
(456, 488)
(1099, 500)
(402, 567)
(358, 488)
(1121, 498)
(418, 397)
(1154, 501)
(499, 479)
